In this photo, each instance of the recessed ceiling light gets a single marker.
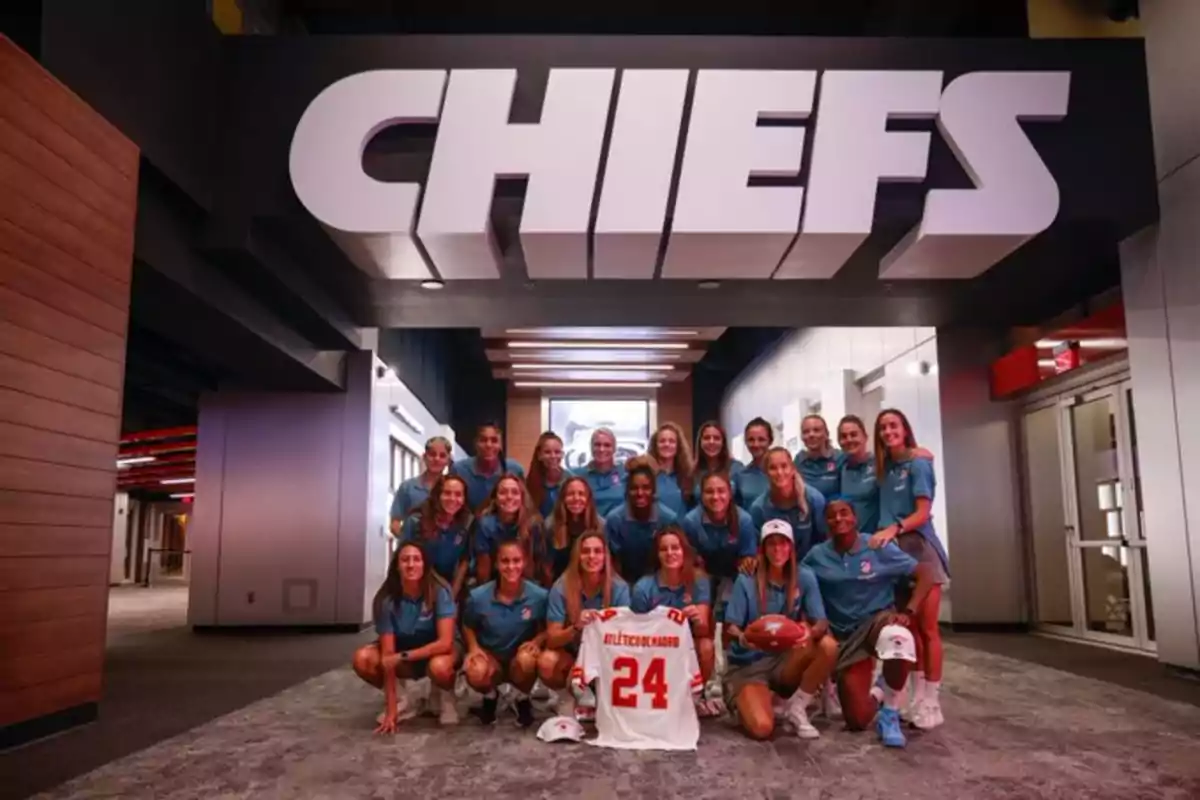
(619, 367)
(600, 345)
(709, 284)
(586, 384)
(128, 462)
(170, 481)
(432, 284)
(183, 495)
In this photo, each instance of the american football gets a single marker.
(775, 633)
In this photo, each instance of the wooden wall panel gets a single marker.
(68, 200)
(675, 405)
(524, 423)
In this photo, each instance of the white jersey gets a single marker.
(646, 674)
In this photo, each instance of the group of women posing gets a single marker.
(839, 538)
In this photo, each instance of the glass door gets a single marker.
(1106, 551)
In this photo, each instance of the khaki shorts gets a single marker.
(767, 670)
(860, 643)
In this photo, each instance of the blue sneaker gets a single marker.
(887, 724)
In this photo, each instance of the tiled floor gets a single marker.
(1014, 729)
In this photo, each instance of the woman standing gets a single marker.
(676, 581)
(858, 485)
(507, 515)
(545, 472)
(778, 586)
(673, 458)
(631, 527)
(414, 490)
(414, 618)
(752, 481)
(503, 624)
(906, 490)
(818, 462)
(442, 526)
(790, 499)
(587, 586)
(485, 468)
(605, 477)
(574, 513)
(712, 455)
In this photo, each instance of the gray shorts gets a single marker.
(766, 670)
(916, 546)
(859, 645)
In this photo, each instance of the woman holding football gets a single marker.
(791, 500)
(754, 678)
(414, 614)
(574, 513)
(585, 588)
(677, 581)
(504, 628)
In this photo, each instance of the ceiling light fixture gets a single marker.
(598, 345)
(587, 384)
(170, 481)
(183, 495)
(1091, 344)
(433, 284)
(649, 331)
(623, 366)
(129, 462)
(709, 284)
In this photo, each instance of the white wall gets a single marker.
(820, 365)
(116, 569)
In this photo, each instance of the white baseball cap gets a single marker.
(556, 729)
(777, 527)
(896, 641)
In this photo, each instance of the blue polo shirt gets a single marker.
(501, 627)
(556, 606)
(410, 622)
(608, 488)
(650, 592)
(447, 548)
(903, 483)
(490, 532)
(735, 470)
(808, 530)
(821, 473)
(752, 483)
(669, 495)
(557, 559)
(630, 541)
(551, 497)
(743, 608)
(858, 584)
(717, 544)
(859, 489)
(410, 495)
(479, 486)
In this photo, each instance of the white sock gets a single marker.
(891, 697)
(932, 689)
(916, 685)
(802, 699)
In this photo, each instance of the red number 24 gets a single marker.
(654, 683)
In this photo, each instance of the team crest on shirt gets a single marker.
(865, 567)
(526, 613)
(830, 467)
(616, 479)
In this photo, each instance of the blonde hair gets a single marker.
(683, 463)
(571, 583)
(527, 516)
(801, 498)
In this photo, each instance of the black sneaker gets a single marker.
(524, 713)
(487, 714)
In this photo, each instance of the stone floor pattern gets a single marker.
(1013, 729)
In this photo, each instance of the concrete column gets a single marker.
(120, 526)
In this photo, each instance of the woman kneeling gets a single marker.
(503, 623)
(676, 582)
(586, 587)
(755, 678)
(414, 617)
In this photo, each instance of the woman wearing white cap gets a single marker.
(754, 678)
(858, 586)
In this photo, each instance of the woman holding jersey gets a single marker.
(587, 586)
(574, 513)
(546, 472)
(442, 526)
(752, 481)
(712, 455)
(818, 462)
(604, 476)
(631, 527)
(790, 499)
(414, 619)
(673, 458)
(483, 470)
(906, 490)
(507, 515)
(413, 491)
(777, 586)
(504, 628)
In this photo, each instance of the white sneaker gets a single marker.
(797, 715)
(830, 703)
(405, 707)
(928, 714)
(447, 706)
(565, 704)
(916, 698)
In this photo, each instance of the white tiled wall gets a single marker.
(809, 367)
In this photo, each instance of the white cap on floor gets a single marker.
(556, 729)
(777, 527)
(896, 641)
